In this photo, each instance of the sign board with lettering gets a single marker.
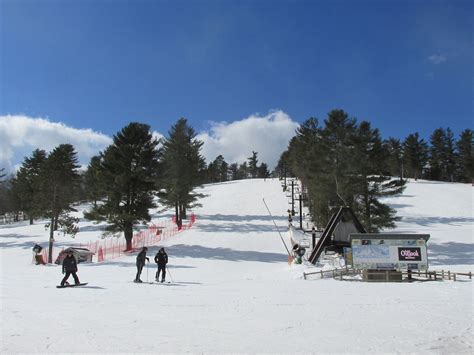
(380, 251)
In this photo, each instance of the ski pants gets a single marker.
(139, 271)
(162, 270)
(69, 273)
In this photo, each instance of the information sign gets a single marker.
(389, 251)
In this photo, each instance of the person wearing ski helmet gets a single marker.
(141, 257)
(69, 268)
(161, 258)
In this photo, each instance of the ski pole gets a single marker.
(169, 273)
(147, 267)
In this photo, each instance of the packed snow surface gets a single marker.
(233, 290)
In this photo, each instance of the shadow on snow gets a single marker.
(198, 251)
(451, 254)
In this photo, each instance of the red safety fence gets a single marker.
(111, 248)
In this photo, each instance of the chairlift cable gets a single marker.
(281, 237)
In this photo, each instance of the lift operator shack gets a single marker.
(374, 251)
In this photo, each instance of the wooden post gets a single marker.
(449, 275)
(454, 276)
(292, 197)
(470, 275)
(301, 211)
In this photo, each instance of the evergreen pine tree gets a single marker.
(94, 188)
(217, 170)
(465, 157)
(394, 152)
(59, 179)
(234, 171)
(243, 171)
(368, 182)
(127, 175)
(345, 165)
(437, 152)
(415, 155)
(449, 157)
(183, 167)
(305, 158)
(253, 165)
(330, 183)
(263, 171)
(27, 186)
(8, 200)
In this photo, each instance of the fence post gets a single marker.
(100, 255)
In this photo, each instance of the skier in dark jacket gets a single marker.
(161, 258)
(69, 267)
(141, 257)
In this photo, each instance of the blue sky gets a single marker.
(405, 66)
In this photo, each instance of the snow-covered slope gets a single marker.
(233, 290)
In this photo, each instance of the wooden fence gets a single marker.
(345, 273)
(111, 248)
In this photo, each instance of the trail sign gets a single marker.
(379, 251)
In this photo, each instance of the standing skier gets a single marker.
(69, 267)
(141, 263)
(161, 258)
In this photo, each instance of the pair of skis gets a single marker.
(152, 282)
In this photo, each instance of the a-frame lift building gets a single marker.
(337, 231)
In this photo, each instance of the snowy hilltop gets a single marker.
(232, 289)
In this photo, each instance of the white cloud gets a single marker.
(437, 58)
(20, 135)
(267, 135)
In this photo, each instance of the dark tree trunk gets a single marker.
(183, 213)
(56, 219)
(51, 240)
(128, 233)
(177, 209)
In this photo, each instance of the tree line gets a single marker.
(121, 182)
(341, 162)
(219, 170)
(344, 162)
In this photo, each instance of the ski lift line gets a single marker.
(281, 237)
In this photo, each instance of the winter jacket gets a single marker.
(69, 264)
(161, 258)
(141, 258)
